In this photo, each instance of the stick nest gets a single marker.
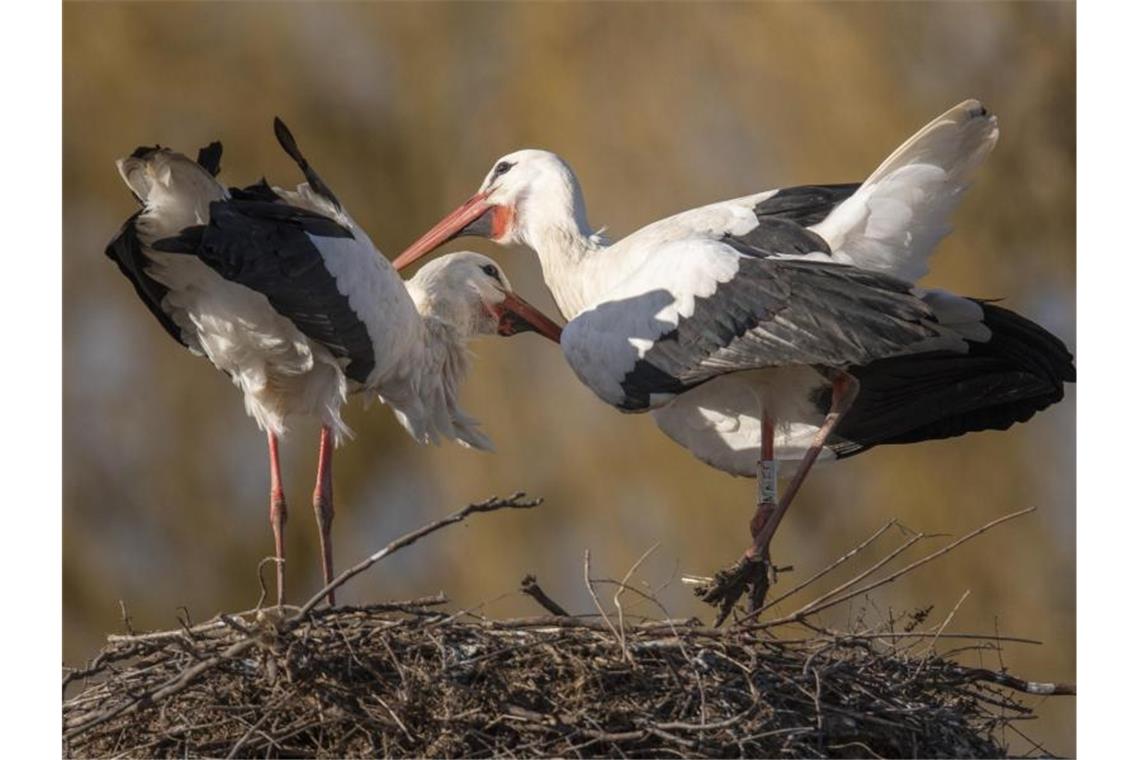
(411, 680)
(419, 682)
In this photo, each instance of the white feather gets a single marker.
(720, 421)
(896, 218)
(420, 361)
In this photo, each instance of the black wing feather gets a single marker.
(261, 191)
(783, 219)
(289, 145)
(1018, 372)
(210, 158)
(126, 251)
(782, 311)
(266, 247)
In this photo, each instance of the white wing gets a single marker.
(897, 217)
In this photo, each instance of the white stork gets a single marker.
(784, 325)
(287, 295)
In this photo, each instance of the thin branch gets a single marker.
(938, 633)
(621, 587)
(189, 675)
(517, 501)
(853, 552)
(1042, 688)
(598, 606)
(815, 603)
(530, 587)
(804, 612)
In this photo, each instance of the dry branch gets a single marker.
(367, 683)
(270, 627)
(530, 587)
(412, 679)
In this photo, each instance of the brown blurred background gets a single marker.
(659, 107)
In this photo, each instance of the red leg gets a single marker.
(766, 476)
(277, 516)
(751, 571)
(323, 504)
(844, 388)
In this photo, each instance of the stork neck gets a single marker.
(566, 255)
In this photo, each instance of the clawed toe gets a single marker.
(728, 585)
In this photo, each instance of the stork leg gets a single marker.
(277, 516)
(751, 571)
(767, 478)
(323, 504)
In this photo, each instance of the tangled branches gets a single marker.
(412, 679)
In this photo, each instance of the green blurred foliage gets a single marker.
(659, 107)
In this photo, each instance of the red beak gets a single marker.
(471, 218)
(516, 316)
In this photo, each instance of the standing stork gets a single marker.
(784, 325)
(287, 295)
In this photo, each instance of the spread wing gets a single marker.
(699, 308)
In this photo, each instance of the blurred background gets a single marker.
(658, 107)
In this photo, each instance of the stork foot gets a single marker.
(750, 573)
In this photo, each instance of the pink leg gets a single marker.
(277, 516)
(751, 571)
(844, 388)
(766, 476)
(323, 504)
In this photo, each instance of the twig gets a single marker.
(621, 587)
(815, 603)
(804, 612)
(829, 568)
(531, 588)
(1042, 688)
(598, 606)
(187, 676)
(173, 686)
(268, 712)
(938, 633)
(261, 581)
(126, 617)
(517, 501)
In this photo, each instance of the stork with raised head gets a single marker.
(287, 295)
(784, 325)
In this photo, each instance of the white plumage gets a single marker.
(765, 319)
(897, 216)
(287, 295)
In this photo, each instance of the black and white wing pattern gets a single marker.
(889, 223)
(126, 250)
(303, 263)
(697, 309)
(774, 222)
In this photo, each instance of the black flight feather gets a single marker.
(1018, 372)
(289, 145)
(126, 251)
(268, 247)
(210, 158)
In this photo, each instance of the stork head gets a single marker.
(470, 292)
(525, 195)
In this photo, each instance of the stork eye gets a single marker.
(502, 168)
(491, 271)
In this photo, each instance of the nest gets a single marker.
(414, 680)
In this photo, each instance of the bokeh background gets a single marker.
(659, 107)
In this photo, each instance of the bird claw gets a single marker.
(749, 573)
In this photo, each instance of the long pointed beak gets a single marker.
(467, 219)
(516, 316)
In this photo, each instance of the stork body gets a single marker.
(285, 293)
(788, 316)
